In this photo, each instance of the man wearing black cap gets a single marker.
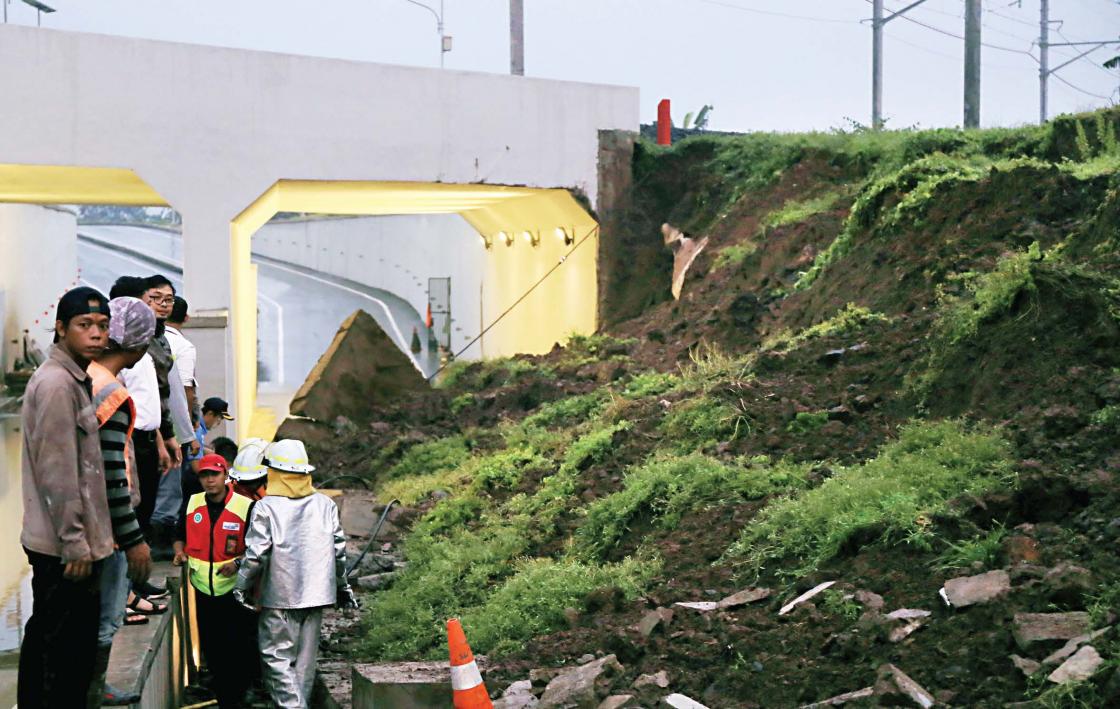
(67, 529)
(214, 411)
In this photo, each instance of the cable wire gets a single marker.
(773, 13)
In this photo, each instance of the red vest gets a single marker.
(210, 547)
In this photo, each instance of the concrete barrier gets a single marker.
(401, 685)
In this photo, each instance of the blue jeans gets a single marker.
(114, 595)
(169, 497)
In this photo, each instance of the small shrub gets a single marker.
(1108, 417)
(889, 499)
(461, 403)
(532, 601)
(700, 421)
(796, 211)
(734, 255)
(710, 366)
(807, 422)
(983, 548)
(664, 489)
(838, 603)
(849, 319)
(430, 457)
(569, 411)
(650, 384)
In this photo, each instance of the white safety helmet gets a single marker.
(288, 455)
(248, 465)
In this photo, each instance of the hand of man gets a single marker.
(195, 448)
(180, 557)
(164, 460)
(242, 600)
(346, 600)
(174, 451)
(228, 570)
(139, 560)
(78, 569)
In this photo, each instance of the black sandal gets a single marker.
(134, 606)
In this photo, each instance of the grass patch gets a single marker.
(849, 319)
(569, 411)
(734, 255)
(888, 500)
(796, 211)
(650, 384)
(701, 421)
(532, 601)
(710, 366)
(663, 490)
(807, 422)
(983, 548)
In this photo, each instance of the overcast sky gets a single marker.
(763, 64)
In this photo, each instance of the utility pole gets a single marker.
(1043, 60)
(517, 37)
(972, 47)
(878, 22)
(877, 66)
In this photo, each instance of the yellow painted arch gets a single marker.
(56, 184)
(564, 304)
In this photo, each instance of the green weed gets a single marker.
(1108, 417)
(703, 420)
(650, 384)
(888, 499)
(710, 366)
(430, 457)
(664, 489)
(532, 601)
(849, 319)
(569, 411)
(461, 403)
(734, 255)
(983, 548)
(796, 211)
(840, 604)
(807, 422)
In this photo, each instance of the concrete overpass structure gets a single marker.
(230, 137)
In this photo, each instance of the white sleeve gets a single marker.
(186, 361)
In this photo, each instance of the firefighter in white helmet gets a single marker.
(297, 548)
(249, 473)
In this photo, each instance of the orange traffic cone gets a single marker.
(428, 319)
(467, 689)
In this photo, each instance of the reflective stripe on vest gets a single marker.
(210, 547)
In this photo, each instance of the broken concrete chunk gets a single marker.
(661, 679)
(745, 597)
(517, 701)
(581, 686)
(904, 631)
(680, 701)
(650, 621)
(841, 699)
(1077, 668)
(909, 614)
(618, 701)
(1071, 647)
(893, 678)
(805, 596)
(970, 590)
(1026, 665)
(1032, 627)
(376, 582)
(702, 606)
(869, 600)
(685, 251)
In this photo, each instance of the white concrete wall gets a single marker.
(398, 254)
(211, 128)
(38, 263)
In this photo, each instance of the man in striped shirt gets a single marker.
(131, 326)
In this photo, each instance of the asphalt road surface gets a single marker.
(299, 310)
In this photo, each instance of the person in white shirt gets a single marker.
(184, 353)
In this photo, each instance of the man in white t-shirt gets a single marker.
(184, 353)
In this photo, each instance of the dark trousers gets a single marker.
(225, 632)
(56, 660)
(147, 473)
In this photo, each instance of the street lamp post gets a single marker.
(444, 40)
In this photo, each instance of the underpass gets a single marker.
(299, 310)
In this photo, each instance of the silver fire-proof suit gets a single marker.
(297, 550)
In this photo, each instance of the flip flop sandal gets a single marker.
(135, 619)
(134, 605)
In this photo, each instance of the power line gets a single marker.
(947, 33)
(1078, 88)
(773, 13)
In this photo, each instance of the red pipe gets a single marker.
(664, 123)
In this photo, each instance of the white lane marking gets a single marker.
(385, 308)
(147, 265)
(279, 333)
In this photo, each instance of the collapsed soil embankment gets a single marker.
(895, 364)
